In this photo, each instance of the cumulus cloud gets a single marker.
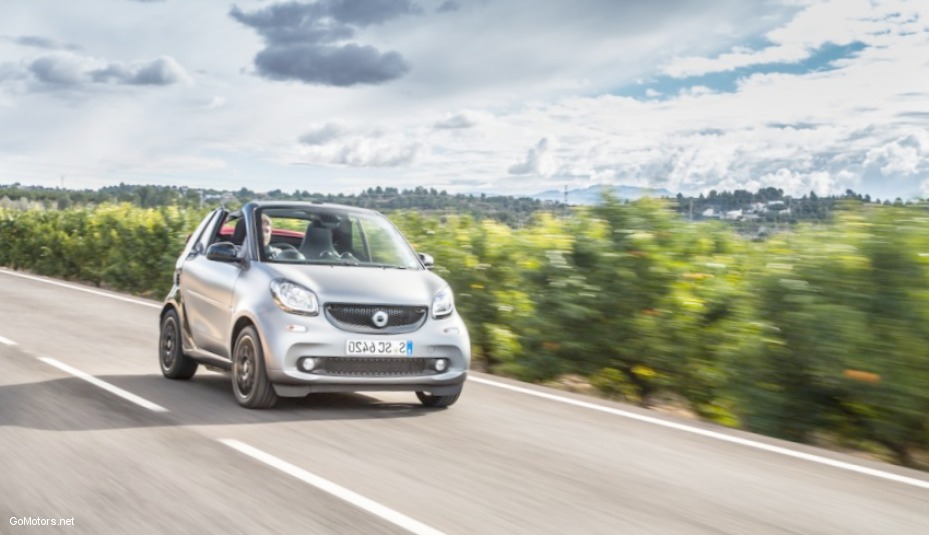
(342, 144)
(539, 161)
(306, 42)
(216, 102)
(59, 70)
(837, 22)
(908, 155)
(819, 182)
(322, 134)
(460, 120)
(160, 71)
(63, 70)
(372, 153)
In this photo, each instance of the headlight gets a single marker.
(293, 298)
(443, 303)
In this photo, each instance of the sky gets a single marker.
(469, 96)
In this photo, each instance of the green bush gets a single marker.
(818, 331)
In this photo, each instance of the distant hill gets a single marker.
(593, 194)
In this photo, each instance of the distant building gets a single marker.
(734, 215)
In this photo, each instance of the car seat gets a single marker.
(317, 242)
(238, 234)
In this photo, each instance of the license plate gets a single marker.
(380, 348)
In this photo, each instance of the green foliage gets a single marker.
(512, 211)
(819, 331)
(115, 245)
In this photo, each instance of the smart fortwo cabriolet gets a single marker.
(292, 298)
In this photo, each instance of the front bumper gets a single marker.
(286, 338)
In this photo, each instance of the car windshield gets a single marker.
(298, 235)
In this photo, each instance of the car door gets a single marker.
(207, 291)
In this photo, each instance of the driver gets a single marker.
(266, 227)
(272, 251)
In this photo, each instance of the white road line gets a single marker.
(711, 434)
(388, 514)
(79, 288)
(616, 412)
(7, 342)
(142, 402)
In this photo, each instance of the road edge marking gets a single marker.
(129, 396)
(369, 505)
(78, 288)
(711, 434)
(577, 403)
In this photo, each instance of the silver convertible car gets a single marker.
(294, 298)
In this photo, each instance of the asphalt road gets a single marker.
(508, 458)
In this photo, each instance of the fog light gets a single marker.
(440, 365)
(307, 364)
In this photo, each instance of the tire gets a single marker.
(174, 363)
(440, 402)
(250, 382)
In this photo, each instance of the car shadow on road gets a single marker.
(71, 404)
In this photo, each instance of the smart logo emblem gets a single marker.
(380, 319)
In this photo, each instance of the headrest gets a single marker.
(238, 234)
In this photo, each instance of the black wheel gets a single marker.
(428, 400)
(250, 381)
(174, 363)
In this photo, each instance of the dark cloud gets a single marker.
(330, 65)
(448, 6)
(58, 70)
(304, 41)
(293, 22)
(368, 12)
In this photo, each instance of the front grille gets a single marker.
(358, 318)
(373, 367)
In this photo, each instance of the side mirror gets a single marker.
(427, 260)
(223, 252)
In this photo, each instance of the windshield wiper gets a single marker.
(385, 266)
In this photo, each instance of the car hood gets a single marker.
(355, 284)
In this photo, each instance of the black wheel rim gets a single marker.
(244, 367)
(168, 343)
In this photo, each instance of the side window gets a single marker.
(198, 238)
(231, 230)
